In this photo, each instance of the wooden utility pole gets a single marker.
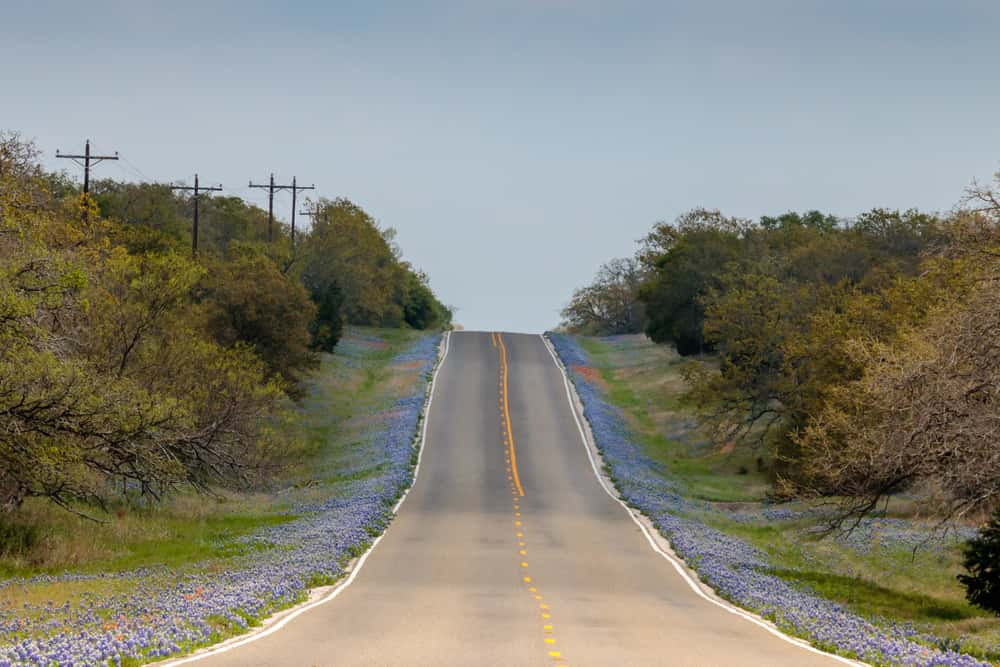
(313, 212)
(295, 192)
(270, 204)
(194, 226)
(271, 189)
(88, 160)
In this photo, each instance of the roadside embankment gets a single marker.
(360, 416)
(762, 557)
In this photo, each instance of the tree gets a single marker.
(228, 220)
(328, 325)
(136, 301)
(147, 206)
(346, 247)
(664, 234)
(421, 309)
(129, 368)
(609, 305)
(783, 313)
(21, 179)
(348, 257)
(109, 387)
(809, 220)
(248, 300)
(982, 563)
(692, 266)
(926, 410)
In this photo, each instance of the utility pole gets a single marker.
(88, 159)
(295, 192)
(271, 189)
(313, 213)
(197, 190)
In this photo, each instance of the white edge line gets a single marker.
(339, 588)
(680, 566)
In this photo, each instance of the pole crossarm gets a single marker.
(89, 160)
(200, 188)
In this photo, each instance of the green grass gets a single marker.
(872, 599)
(212, 537)
(186, 529)
(634, 380)
(895, 583)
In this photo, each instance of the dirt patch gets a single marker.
(591, 375)
(409, 365)
(400, 383)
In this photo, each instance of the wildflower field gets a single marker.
(360, 418)
(884, 594)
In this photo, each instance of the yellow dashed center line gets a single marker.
(506, 414)
(517, 492)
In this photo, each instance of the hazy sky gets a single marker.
(517, 144)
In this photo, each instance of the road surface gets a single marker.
(472, 572)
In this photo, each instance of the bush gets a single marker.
(328, 324)
(16, 538)
(982, 562)
(248, 300)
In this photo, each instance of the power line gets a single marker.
(197, 189)
(88, 159)
(136, 169)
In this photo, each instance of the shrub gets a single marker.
(16, 538)
(982, 562)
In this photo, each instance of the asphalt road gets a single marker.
(473, 573)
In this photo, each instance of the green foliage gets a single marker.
(836, 341)
(982, 564)
(694, 259)
(16, 538)
(153, 217)
(421, 309)
(328, 325)
(108, 384)
(347, 247)
(809, 220)
(249, 301)
(781, 306)
(228, 220)
(609, 305)
(149, 206)
(348, 256)
(684, 274)
(129, 368)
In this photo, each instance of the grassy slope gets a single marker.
(194, 529)
(883, 580)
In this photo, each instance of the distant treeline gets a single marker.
(129, 367)
(863, 353)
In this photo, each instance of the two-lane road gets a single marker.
(471, 572)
